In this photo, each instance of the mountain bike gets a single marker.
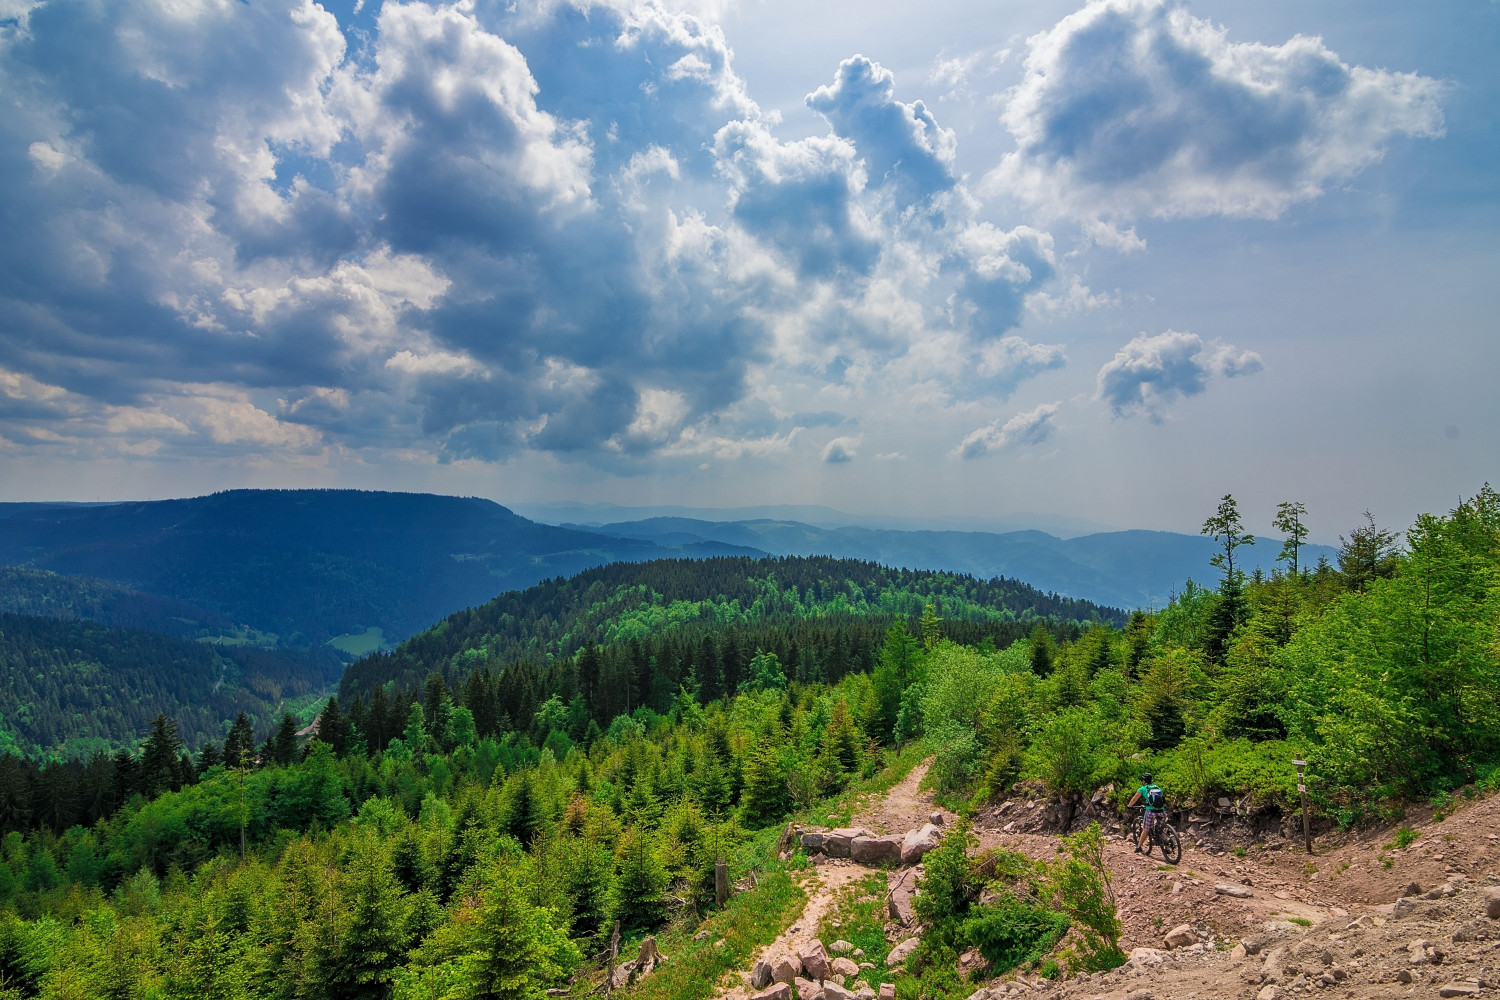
(1163, 835)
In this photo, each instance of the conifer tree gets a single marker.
(641, 885)
(363, 965)
(284, 743)
(521, 952)
(159, 758)
(239, 746)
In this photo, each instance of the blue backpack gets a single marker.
(1155, 797)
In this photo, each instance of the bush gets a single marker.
(1014, 933)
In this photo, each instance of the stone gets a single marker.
(1268, 993)
(902, 952)
(1412, 889)
(1141, 994)
(858, 953)
(936, 819)
(844, 967)
(814, 960)
(841, 947)
(887, 991)
(760, 975)
(875, 850)
(719, 944)
(1223, 803)
(1404, 907)
(1180, 936)
(1405, 976)
(781, 991)
(807, 989)
(918, 842)
(702, 935)
(1327, 957)
(836, 842)
(864, 993)
(1492, 903)
(1459, 990)
(1228, 889)
(899, 908)
(1237, 953)
(812, 841)
(835, 991)
(785, 967)
(1143, 958)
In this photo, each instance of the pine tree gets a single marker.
(363, 966)
(239, 746)
(765, 798)
(640, 887)
(159, 757)
(284, 743)
(521, 952)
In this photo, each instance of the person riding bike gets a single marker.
(1155, 801)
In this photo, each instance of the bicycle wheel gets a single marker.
(1135, 832)
(1171, 844)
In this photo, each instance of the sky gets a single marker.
(1109, 261)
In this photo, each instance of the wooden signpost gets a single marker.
(1302, 791)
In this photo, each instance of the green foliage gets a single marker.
(1080, 886)
(1012, 932)
(949, 885)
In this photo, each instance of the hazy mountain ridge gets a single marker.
(1128, 569)
(309, 565)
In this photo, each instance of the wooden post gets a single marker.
(721, 881)
(1302, 791)
(614, 953)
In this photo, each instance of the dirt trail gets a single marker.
(902, 808)
(1333, 913)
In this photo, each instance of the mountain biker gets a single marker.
(1155, 801)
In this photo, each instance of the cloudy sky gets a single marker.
(1110, 261)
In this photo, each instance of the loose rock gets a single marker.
(1180, 937)
(918, 842)
(902, 952)
(1237, 891)
(781, 991)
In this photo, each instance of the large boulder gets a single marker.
(836, 842)
(833, 991)
(875, 850)
(1180, 937)
(812, 841)
(918, 842)
(785, 967)
(760, 975)
(814, 960)
(1492, 903)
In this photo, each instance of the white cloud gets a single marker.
(1136, 108)
(1027, 429)
(841, 450)
(1151, 372)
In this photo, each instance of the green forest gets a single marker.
(479, 809)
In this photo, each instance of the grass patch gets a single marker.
(1405, 837)
(749, 921)
(860, 912)
(359, 644)
(1300, 921)
(840, 811)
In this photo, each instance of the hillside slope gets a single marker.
(71, 687)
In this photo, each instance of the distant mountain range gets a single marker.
(309, 565)
(1122, 569)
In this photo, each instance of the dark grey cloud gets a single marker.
(1135, 107)
(1151, 372)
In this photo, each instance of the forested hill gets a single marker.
(703, 620)
(309, 565)
(68, 688)
(37, 592)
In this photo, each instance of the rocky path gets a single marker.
(1360, 918)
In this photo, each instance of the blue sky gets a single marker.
(1110, 261)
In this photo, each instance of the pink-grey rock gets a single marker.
(807, 989)
(814, 960)
(936, 819)
(902, 952)
(1180, 936)
(887, 991)
(918, 842)
(785, 967)
(836, 842)
(833, 991)
(874, 850)
(841, 947)
(812, 841)
(760, 975)
(781, 991)
(1492, 903)
(844, 967)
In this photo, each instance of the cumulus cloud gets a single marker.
(1027, 429)
(472, 231)
(1136, 108)
(1151, 372)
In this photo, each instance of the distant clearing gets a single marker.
(359, 643)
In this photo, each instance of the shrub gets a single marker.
(1014, 933)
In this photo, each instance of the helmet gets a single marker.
(1146, 777)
